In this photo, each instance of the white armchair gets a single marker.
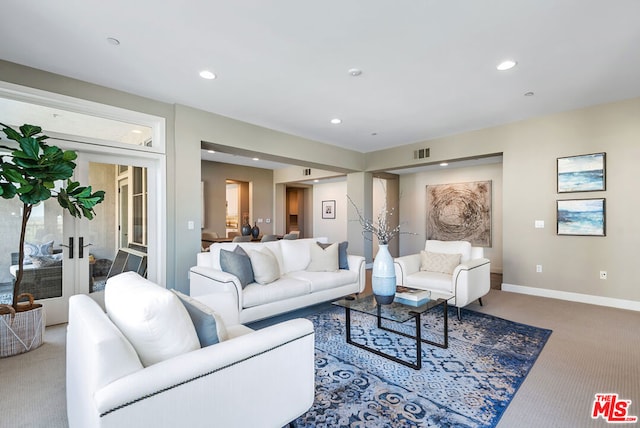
(253, 378)
(438, 270)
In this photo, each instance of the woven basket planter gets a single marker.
(21, 332)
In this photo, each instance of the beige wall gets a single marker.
(214, 175)
(413, 205)
(529, 148)
(572, 263)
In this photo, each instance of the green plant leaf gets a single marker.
(31, 147)
(30, 130)
(13, 175)
(38, 194)
(72, 185)
(69, 155)
(11, 133)
(8, 190)
(25, 189)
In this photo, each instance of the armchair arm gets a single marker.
(406, 265)
(272, 369)
(471, 280)
(357, 265)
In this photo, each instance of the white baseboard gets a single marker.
(573, 297)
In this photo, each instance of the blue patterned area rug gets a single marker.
(470, 384)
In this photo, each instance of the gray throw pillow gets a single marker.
(209, 326)
(343, 259)
(237, 263)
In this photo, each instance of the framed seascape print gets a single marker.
(584, 173)
(581, 217)
(328, 209)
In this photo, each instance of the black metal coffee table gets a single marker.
(399, 313)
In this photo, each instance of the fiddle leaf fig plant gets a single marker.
(29, 170)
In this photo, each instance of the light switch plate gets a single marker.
(539, 224)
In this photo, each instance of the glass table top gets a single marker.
(395, 311)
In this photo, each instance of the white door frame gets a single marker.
(101, 151)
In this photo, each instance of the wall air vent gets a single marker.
(421, 153)
(306, 171)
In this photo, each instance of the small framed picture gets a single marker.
(328, 209)
(584, 173)
(581, 217)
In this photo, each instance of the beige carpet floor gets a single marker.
(592, 350)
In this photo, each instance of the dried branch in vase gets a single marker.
(381, 228)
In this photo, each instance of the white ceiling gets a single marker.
(428, 65)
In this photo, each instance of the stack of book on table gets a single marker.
(412, 296)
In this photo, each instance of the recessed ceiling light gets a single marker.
(506, 65)
(336, 121)
(113, 41)
(211, 151)
(529, 94)
(256, 159)
(355, 72)
(444, 164)
(136, 131)
(316, 181)
(206, 74)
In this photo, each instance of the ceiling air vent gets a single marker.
(306, 171)
(421, 153)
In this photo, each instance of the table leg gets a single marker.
(418, 342)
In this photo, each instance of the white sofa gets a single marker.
(253, 378)
(295, 288)
(436, 269)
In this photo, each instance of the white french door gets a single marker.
(89, 247)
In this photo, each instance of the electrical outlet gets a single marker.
(603, 274)
(538, 268)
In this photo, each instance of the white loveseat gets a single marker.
(438, 269)
(297, 285)
(146, 378)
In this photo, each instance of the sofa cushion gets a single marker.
(433, 281)
(439, 262)
(324, 280)
(343, 257)
(284, 288)
(151, 318)
(238, 263)
(296, 254)
(323, 259)
(265, 266)
(449, 247)
(208, 324)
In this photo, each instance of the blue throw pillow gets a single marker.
(238, 263)
(343, 259)
(209, 327)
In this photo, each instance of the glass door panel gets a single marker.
(43, 264)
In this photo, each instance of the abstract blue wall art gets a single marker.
(584, 217)
(584, 173)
